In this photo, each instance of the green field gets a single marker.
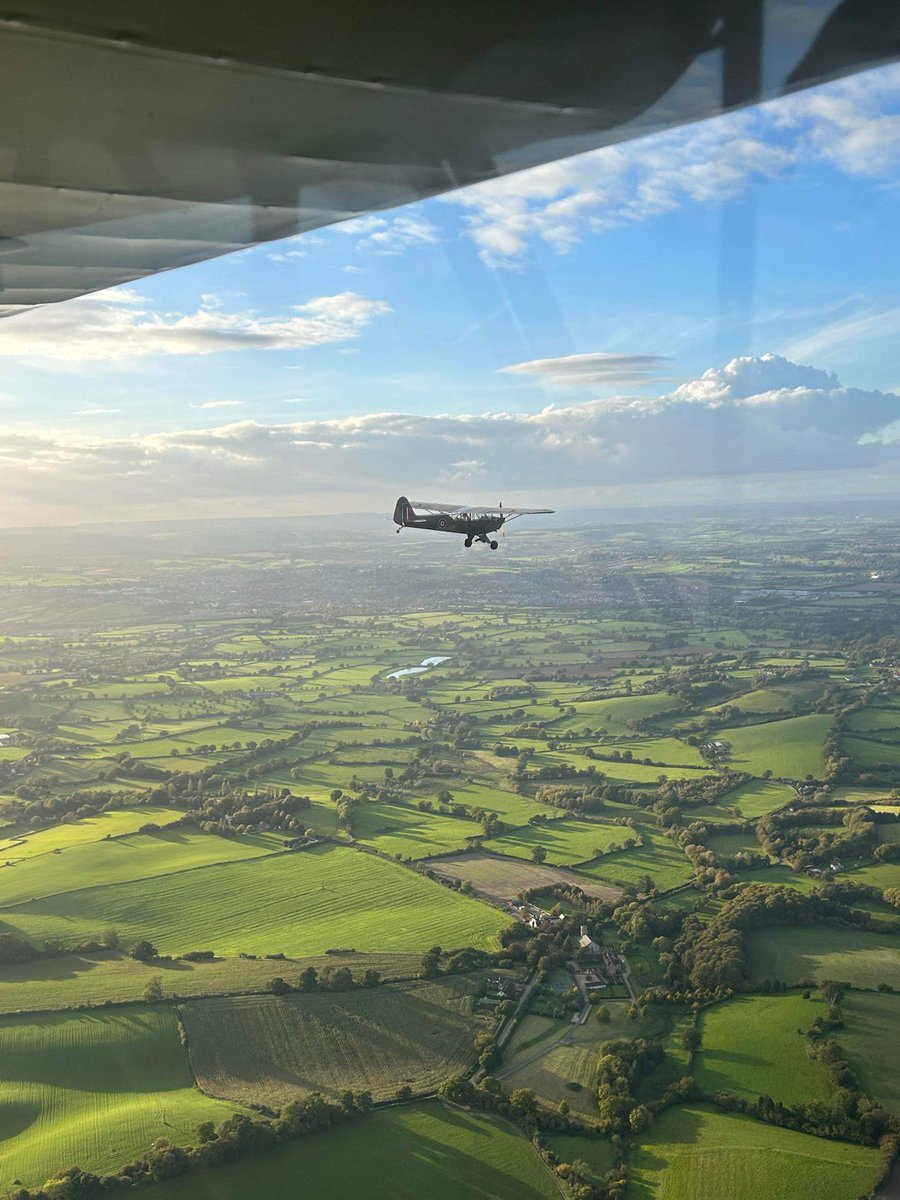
(76, 979)
(138, 856)
(660, 858)
(395, 1154)
(870, 1042)
(567, 841)
(751, 1047)
(790, 749)
(758, 797)
(292, 903)
(268, 1049)
(88, 829)
(819, 953)
(401, 830)
(696, 1153)
(597, 1152)
(866, 753)
(93, 1088)
(728, 844)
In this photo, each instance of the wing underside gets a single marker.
(469, 510)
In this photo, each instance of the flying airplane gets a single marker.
(473, 522)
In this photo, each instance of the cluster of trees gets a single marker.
(35, 807)
(520, 1105)
(713, 954)
(814, 834)
(581, 1181)
(234, 1138)
(330, 979)
(621, 1067)
(582, 799)
(14, 949)
(511, 691)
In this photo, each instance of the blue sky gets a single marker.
(424, 345)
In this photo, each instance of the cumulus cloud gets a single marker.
(117, 325)
(754, 416)
(581, 370)
(853, 125)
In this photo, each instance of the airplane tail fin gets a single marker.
(403, 512)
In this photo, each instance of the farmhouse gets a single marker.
(586, 944)
(505, 988)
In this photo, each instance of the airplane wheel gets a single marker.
(494, 545)
(467, 543)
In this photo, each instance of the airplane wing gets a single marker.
(510, 514)
(476, 510)
(433, 506)
(521, 512)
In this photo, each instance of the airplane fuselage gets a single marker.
(472, 528)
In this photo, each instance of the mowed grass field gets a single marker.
(567, 840)
(751, 1047)
(758, 797)
(659, 858)
(53, 983)
(393, 1154)
(137, 856)
(870, 1041)
(819, 953)
(297, 903)
(268, 1049)
(93, 1088)
(790, 749)
(402, 829)
(88, 829)
(696, 1153)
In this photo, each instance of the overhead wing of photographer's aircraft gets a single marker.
(139, 137)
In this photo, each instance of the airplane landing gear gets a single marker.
(494, 545)
(467, 543)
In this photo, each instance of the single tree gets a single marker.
(144, 951)
(309, 980)
(153, 991)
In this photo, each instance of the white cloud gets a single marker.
(755, 416)
(390, 235)
(95, 412)
(853, 125)
(582, 370)
(218, 404)
(286, 256)
(118, 326)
